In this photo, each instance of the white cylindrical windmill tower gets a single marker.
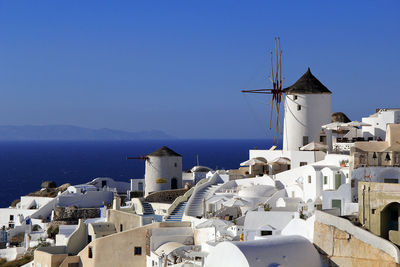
(307, 108)
(163, 170)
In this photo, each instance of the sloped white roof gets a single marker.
(257, 191)
(277, 219)
(280, 160)
(254, 161)
(214, 222)
(357, 124)
(67, 230)
(168, 247)
(314, 146)
(236, 202)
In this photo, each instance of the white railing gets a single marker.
(199, 188)
(342, 147)
(178, 201)
(182, 198)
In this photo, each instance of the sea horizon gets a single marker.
(24, 165)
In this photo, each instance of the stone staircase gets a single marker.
(177, 214)
(196, 207)
(147, 208)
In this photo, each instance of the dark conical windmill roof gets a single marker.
(340, 117)
(164, 152)
(307, 84)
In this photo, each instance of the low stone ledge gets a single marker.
(348, 245)
(166, 196)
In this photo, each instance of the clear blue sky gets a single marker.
(179, 66)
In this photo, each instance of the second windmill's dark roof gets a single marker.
(340, 117)
(307, 84)
(164, 152)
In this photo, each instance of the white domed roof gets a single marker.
(257, 191)
(276, 250)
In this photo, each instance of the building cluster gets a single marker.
(330, 197)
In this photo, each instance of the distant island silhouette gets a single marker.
(69, 132)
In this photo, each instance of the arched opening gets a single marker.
(390, 219)
(174, 183)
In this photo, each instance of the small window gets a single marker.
(373, 211)
(11, 225)
(11, 217)
(309, 179)
(298, 107)
(90, 253)
(303, 164)
(353, 183)
(176, 164)
(295, 97)
(263, 233)
(325, 179)
(391, 181)
(138, 250)
(121, 228)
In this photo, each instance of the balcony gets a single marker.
(343, 148)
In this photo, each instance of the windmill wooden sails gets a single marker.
(276, 91)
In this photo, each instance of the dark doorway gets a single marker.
(103, 183)
(390, 219)
(174, 183)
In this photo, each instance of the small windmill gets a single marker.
(276, 91)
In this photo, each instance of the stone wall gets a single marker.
(343, 244)
(124, 220)
(117, 250)
(72, 214)
(375, 200)
(166, 196)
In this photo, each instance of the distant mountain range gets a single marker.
(68, 132)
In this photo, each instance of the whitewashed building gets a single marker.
(379, 121)
(163, 170)
(307, 108)
(262, 223)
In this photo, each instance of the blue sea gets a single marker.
(25, 165)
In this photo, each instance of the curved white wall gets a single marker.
(315, 112)
(271, 251)
(160, 171)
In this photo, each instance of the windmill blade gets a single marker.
(276, 91)
(280, 60)
(272, 69)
